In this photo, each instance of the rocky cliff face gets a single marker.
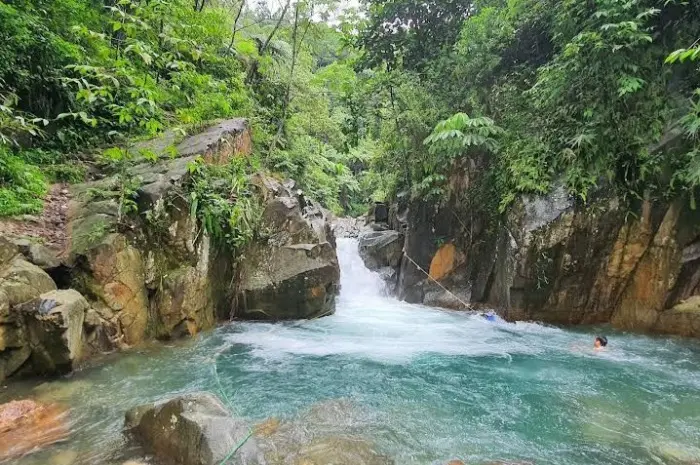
(637, 267)
(293, 272)
(160, 275)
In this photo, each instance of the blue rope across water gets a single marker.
(229, 404)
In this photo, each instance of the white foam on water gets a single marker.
(369, 324)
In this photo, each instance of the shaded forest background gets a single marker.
(361, 104)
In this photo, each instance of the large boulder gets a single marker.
(195, 429)
(26, 426)
(292, 273)
(20, 281)
(160, 277)
(54, 325)
(380, 249)
(682, 319)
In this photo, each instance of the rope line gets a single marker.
(229, 404)
(235, 449)
(466, 305)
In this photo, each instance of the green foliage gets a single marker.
(22, 186)
(580, 90)
(409, 31)
(453, 140)
(221, 199)
(459, 134)
(118, 160)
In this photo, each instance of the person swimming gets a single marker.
(600, 342)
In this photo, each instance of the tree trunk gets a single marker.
(296, 44)
(263, 49)
(235, 25)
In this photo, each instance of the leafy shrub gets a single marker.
(222, 201)
(22, 186)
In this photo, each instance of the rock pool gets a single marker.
(423, 385)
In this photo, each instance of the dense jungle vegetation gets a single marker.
(360, 104)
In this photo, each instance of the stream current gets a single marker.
(423, 385)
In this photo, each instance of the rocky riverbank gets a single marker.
(111, 283)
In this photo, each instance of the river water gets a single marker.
(423, 385)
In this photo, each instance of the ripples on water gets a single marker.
(424, 385)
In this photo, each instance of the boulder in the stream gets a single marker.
(683, 319)
(292, 273)
(194, 429)
(380, 249)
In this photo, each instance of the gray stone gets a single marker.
(54, 324)
(194, 429)
(381, 248)
(211, 140)
(291, 282)
(21, 281)
(349, 227)
(43, 257)
(294, 273)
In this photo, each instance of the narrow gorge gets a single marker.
(372, 232)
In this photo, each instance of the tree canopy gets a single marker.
(388, 100)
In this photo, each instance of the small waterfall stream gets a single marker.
(421, 384)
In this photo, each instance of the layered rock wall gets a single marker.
(551, 260)
(158, 274)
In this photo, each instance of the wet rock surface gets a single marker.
(556, 261)
(349, 227)
(329, 432)
(380, 249)
(195, 429)
(20, 282)
(26, 425)
(293, 273)
(54, 323)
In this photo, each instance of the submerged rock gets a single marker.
(26, 425)
(294, 273)
(194, 429)
(329, 432)
(340, 451)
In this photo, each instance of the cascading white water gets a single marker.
(367, 322)
(356, 280)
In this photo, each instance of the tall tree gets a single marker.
(411, 31)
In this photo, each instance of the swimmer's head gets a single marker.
(600, 341)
